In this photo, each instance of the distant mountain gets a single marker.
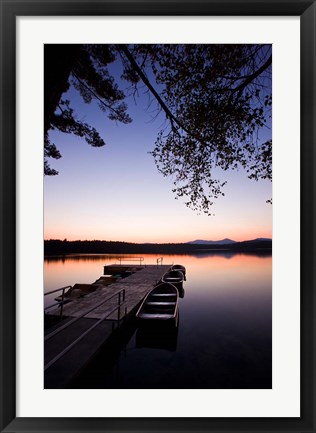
(225, 241)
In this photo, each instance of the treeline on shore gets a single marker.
(57, 247)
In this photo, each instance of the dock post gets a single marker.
(62, 304)
(119, 309)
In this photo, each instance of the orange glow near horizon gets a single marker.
(163, 237)
(85, 217)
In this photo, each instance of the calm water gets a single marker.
(224, 339)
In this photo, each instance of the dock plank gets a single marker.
(136, 286)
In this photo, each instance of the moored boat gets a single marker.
(174, 277)
(179, 268)
(160, 305)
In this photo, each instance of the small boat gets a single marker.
(179, 268)
(160, 305)
(174, 277)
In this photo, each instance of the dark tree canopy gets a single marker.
(220, 99)
(86, 68)
(216, 100)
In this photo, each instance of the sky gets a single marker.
(116, 193)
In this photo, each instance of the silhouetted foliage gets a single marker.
(57, 247)
(216, 100)
(86, 68)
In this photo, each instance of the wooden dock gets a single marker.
(75, 342)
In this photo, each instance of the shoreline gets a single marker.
(58, 247)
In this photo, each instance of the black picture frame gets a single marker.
(10, 9)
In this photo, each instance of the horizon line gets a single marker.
(157, 243)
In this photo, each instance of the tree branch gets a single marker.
(95, 95)
(173, 120)
(251, 77)
(254, 75)
(150, 87)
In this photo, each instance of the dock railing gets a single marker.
(58, 303)
(159, 260)
(121, 301)
(129, 259)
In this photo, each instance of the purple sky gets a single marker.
(116, 193)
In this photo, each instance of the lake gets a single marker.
(224, 338)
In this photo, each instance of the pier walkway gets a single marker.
(67, 349)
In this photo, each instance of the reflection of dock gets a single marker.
(72, 343)
(159, 337)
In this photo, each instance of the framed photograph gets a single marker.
(142, 147)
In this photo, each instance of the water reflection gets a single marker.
(181, 292)
(157, 337)
(231, 254)
(82, 257)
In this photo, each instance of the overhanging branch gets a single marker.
(173, 120)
